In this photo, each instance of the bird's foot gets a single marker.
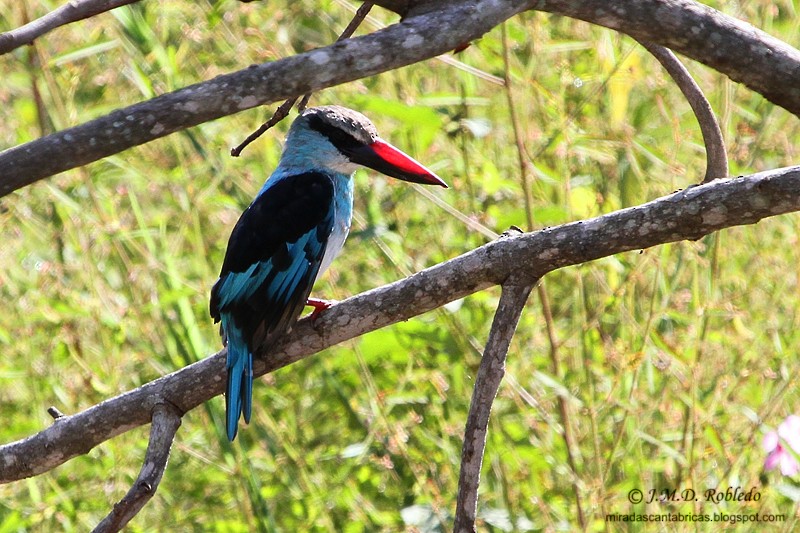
(319, 306)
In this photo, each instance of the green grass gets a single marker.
(672, 363)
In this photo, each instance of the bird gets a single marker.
(289, 235)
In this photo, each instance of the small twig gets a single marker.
(277, 116)
(71, 11)
(358, 18)
(285, 107)
(716, 155)
(166, 421)
(487, 382)
(55, 413)
(304, 102)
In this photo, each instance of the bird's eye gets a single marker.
(341, 139)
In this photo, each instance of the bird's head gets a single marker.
(340, 139)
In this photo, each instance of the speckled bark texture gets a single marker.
(521, 259)
(415, 39)
(429, 28)
(487, 383)
(165, 423)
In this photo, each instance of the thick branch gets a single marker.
(688, 214)
(72, 11)
(716, 155)
(166, 421)
(737, 49)
(413, 40)
(487, 382)
(763, 63)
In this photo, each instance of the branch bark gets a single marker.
(166, 421)
(688, 214)
(415, 39)
(737, 49)
(72, 11)
(487, 382)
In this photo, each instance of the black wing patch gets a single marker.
(274, 254)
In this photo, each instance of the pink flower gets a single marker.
(780, 444)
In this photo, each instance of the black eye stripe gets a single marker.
(342, 140)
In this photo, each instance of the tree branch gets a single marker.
(413, 40)
(487, 382)
(72, 11)
(737, 49)
(716, 155)
(688, 214)
(166, 421)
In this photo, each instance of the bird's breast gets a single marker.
(342, 216)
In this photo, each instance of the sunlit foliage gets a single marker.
(673, 363)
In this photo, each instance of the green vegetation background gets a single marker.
(672, 363)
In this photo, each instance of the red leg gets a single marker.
(319, 306)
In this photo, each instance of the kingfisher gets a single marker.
(290, 234)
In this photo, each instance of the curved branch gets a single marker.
(487, 382)
(687, 214)
(415, 39)
(72, 11)
(735, 48)
(716, 155)
(166, 421)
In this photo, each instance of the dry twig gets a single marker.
(283, 110)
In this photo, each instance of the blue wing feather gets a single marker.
(273, 257)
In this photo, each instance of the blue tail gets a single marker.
(239, 394)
